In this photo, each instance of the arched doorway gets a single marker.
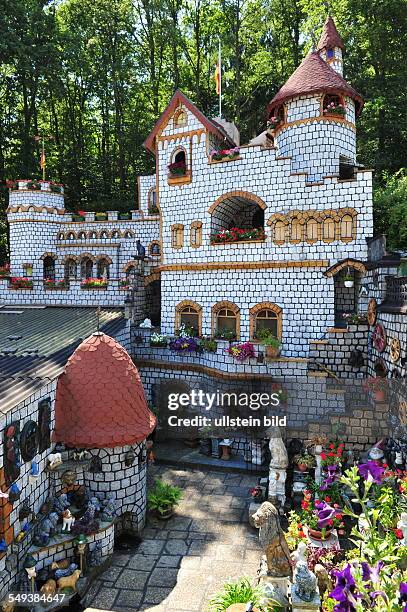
(347, 275)
(153, 301)
(237, 209)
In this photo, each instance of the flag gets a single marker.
(217, 78)
(42, 160)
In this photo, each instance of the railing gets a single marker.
(396, 291)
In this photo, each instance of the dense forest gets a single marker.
(92, 76)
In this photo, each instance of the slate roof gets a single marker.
(100, 401)
(330, 37)
(314, 75)
(35, 344)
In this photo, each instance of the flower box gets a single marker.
(236, 234)
(242, 352)
(177, 169)
(124, 216)
(94, 283)
(51, 284)
(20, 283)
(180, 179)
(224, 155)
(274, 122)
(153, 210)
(184, 345)
(335, 109)
(100, 216)
(34, 185)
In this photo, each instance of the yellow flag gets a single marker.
(217, 78)
(42, 161)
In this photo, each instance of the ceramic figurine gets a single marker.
(69, 581)
(61, 503)
(61, 573)
(272, 539)
(323, 579)
(402, 524)
(87, 523)
(305, 582)
(146, 324)
(67, 520)
(95, 558)
(80, 455)
(109, 509)
(49, 588)
(63, 564)
(141, 250)
(54, 460)
(95, 502)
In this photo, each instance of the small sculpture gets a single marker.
(272, 538)
(68, 478)
(146, 324)
(49, 588)
(67, 520)
(402, 524)
(80, 455)
(305, 582)
(141, 250)
(3, 495)
(95, 502)
(62, 573)
(69, 581)
(278, 465)
(61, 503)
(95, 465)
(109, 510)
(323, 579)
(54, 460)
(60, 564)
(300, 554)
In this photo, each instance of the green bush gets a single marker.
(390, 210)
(240, 591)
(163, 497)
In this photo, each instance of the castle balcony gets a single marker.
(34, 185)
(395, 297)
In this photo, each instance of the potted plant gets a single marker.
(273, 122)
(184, 344)
(177, 168)
(304, 462)
(241, 592)
(209, 345)
(21, 282)
(158, 340)
(348, 281)
(335, 109)
(272, 345)
(236, 234)
(225, 334)
(163, 498)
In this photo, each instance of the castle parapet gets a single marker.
(27, 193)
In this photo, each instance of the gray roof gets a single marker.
(36, 342)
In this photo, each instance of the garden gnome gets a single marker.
(402, 524)
(273, 541)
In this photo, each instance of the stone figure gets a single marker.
(141, 250)
(87, 523)
(300, 554)
(146, 324)
(323, 580)
(68, 478)
(69, 581)
(95, 558)
(305, 582)
(95, 502)
(67, 520)
(273, 541)
(109, 509)
(278, 465)
(54, 460)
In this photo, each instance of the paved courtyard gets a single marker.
(182, 562)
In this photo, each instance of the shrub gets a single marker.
(163, 497)
(240, 591)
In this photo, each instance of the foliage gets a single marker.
(209, 345)
(163, 497)
(184, 344)
(241, 352)
(94, 283)
(225, 335)
(158, 339)
(21, 282)
(240, 591)
(236, 234)
(304, 459)
(390, 209)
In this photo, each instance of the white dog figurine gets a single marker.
(67, 520)
(81, 455)
(54, 460)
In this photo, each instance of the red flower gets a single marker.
(327, 498)
(301, 534)
(304, 505)
(399, 534)
(331, 454)
(332, 445)
(323, 456)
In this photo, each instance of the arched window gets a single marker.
(178, 165)
(312, 231)
(48, 268)
(103, 234)
(131, 272)
(279, 232)
(196, 234)
(180, 118)
(226, 320)
(103, 267)
(71, 236)
(154, 249)
(177, 236)
(265, 316)
(128, 234)
(70, 268)
(86, 268)
(333, 105)
(328, 230)
(93, 235)
(296, 230)
(152, 201)
(347, 228)
(189, 314)
(61, 236)
(115, 234)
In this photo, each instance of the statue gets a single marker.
(402, 524)
(109, 509)
(141, 250)
(146, 324)
(305, 582)
(68, 478)
(323, 579)
(87, 523)
(272, 538)
(95, 557)
(278, 465)
(67, 520)
(54, 460)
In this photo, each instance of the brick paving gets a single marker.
(182, 562)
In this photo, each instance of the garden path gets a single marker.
(183, 562)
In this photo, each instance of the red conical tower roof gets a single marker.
(314, 75)
(330, 37)
(100, 401)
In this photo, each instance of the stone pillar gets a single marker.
(299, 605)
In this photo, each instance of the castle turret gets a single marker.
(313, 115)
(330, 46)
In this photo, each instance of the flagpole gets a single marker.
(43, 160)
(220, 79)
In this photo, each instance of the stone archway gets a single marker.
(346, 296)
(237, 209)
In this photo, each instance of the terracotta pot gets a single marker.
(272, 351)
(317, 535)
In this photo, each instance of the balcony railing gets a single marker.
(396, 293)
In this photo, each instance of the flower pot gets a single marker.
(164, 516)
(226, 452)
(271, 351)
(348, 283)
(317, 535)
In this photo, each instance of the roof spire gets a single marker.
(330, 37)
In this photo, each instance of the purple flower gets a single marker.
(371, 573)
(331, 477)
(325, 514)
(371, 471)
(403, 593)
(184, 345)
(345, 590)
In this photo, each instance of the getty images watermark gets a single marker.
(208, 401)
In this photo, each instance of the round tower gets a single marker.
(313, 115)
(34, 211)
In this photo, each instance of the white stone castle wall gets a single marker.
(145, 183)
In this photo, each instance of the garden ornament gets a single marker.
(67, 520)
(273, 541)
(146, 324)
(305, 582)
(141, 250)
(69, 581)
(323, 579)
(278, 465)
(61, 503)
(54, 460)
(300, 554)
(402, 524)
(68, 478)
